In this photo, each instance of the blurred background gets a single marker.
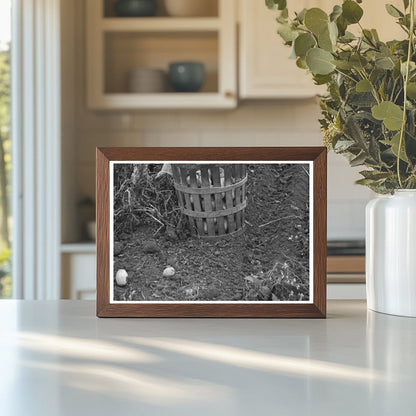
(103, 73)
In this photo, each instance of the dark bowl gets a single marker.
(186, 76)
(135, 8)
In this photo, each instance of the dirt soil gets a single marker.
(269, 261)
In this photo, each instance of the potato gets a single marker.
(121, 277)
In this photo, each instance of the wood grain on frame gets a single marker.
(317, 309)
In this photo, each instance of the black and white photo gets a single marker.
(195, 232)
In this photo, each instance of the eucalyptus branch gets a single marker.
(406, 80)
(369, 63)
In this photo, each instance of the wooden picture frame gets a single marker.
(270, 157)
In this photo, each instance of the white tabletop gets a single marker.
(57, 358)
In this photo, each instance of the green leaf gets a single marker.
(351, 11)
(411, 90)
(394, 145)
(287, 33)
(303, 43)
(358, 61)
(375, 35)
(347, 37)
(301, 15)
(343, 145)
(342, 25)
(393, 11)
(405, 21)
(384, 62)
(358, 160)
(321, 79)
(276, 4)
(362, 99)
(368, 36)
(353, 131)
(374, 174)
(344, 65)
(316, 20)
(382, 89)
(406, 4)
(325, 42)
(320, 61)
(374, 150)
(388, 112)
(336, 12)
(333, 32)
(282, 19)
(363, 86)
(301, 63)
(412, 67)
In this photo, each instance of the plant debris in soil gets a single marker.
(268, 261)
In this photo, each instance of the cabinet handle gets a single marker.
(229, 94)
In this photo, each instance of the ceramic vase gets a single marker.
(391, 253)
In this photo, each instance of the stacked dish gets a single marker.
(147, 80)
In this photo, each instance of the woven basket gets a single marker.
(212, 196)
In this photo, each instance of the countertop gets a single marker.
(57, 358)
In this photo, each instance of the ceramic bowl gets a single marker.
(147, 80)
(135, 8)
(191, 8)
(186, 76)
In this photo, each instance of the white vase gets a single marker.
(391, 253)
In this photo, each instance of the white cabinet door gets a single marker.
(376, 17)
(78, 274)
(265, 68)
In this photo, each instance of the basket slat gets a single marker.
(193, 181)
(238, 214)
(216, 180)
(188, 202)
(206, 183)
(228, 171)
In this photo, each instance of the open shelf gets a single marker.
(126, 51)
(85, 247)
(160, 24)
(119, 45)
(167, 100)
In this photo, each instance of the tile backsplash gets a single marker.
(256, 123)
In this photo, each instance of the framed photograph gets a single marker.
(211, 232)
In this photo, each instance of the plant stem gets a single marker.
(373, 88)
(346, 75)
(406, 80)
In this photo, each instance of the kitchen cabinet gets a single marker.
(265, 69)
(78, 263)
(118, 45)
